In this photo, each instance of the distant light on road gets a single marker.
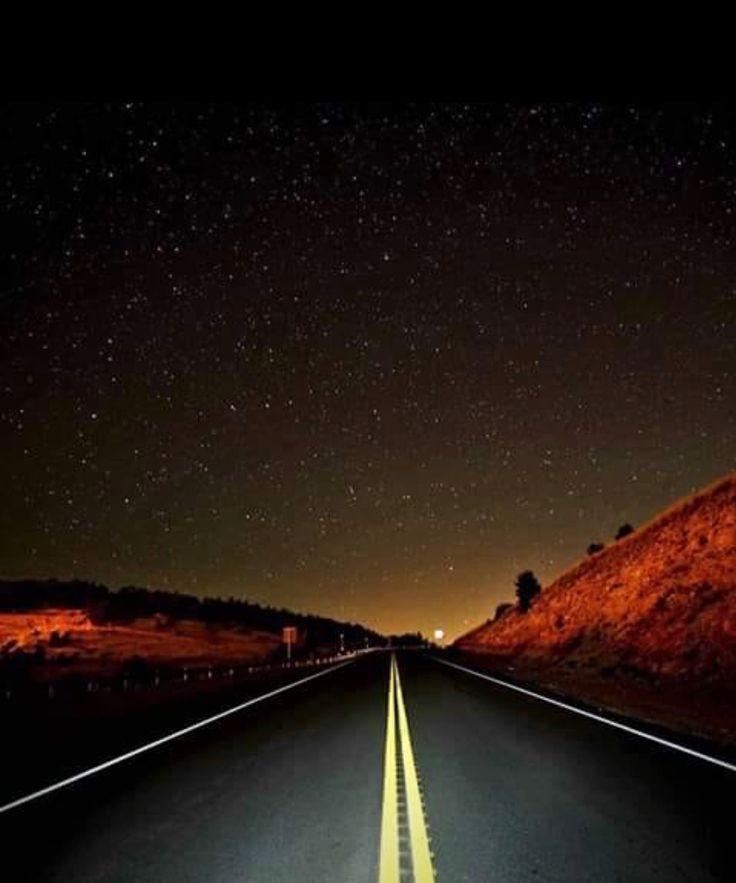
(439, 634)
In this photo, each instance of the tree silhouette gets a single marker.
(133, 602)
(624, 531)
(527, 588)
(594, 547)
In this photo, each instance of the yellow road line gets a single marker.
(389, 861)
(420, 853)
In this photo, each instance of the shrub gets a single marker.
(624, 531)
(502, 610)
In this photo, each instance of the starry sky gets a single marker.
(368, 360)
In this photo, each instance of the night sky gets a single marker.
(366, 360)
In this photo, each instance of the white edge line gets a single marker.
(596, 717)
(168, 738)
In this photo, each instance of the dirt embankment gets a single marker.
(647, 625)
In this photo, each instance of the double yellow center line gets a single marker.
(401, 783)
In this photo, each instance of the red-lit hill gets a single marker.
(658, 605)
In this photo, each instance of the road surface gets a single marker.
(382, 772)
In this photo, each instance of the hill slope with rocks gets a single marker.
(657, 607)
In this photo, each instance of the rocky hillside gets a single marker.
(659, 603)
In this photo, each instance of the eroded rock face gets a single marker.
(661, 600)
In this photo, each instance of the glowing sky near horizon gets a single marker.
(364, 360)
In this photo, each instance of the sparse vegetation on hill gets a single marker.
(657, 605)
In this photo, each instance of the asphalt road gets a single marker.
(292, 789)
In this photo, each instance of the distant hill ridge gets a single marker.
(131, 602)
(661, 601)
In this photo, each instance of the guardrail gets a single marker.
(76, 685)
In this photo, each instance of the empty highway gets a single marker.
(387, 769)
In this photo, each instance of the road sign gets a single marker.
(288, 637)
